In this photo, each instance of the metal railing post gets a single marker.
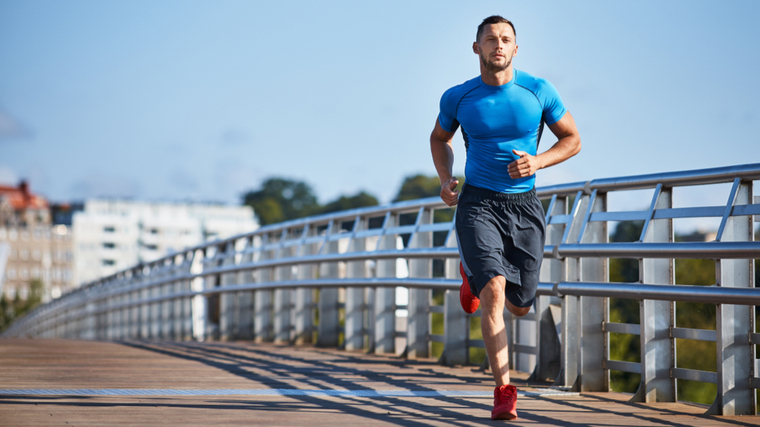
(735, 323)
(155, 308)
(262, 300)
(145, 309)
(88, 324)
(384, 307)
(355, 297)
(456, 323)
(548, 344)
(329, 317)
(571, 334)
(199, 302)
(111, 316)
(227, 315)
(455, 331)
(418, 317)
(214, 308)
(510, 328)
(304, 309)
(167, 306)
(125, 327)
(245, 298)
(183, 319)
(592, 376)
(657, 317)
(122, 328)
(283, 297)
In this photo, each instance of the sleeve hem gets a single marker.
(440, 123)
(555, 121)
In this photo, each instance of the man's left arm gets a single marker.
(568, 144)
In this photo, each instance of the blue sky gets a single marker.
(178, 100)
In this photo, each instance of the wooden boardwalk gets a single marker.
(74, 383)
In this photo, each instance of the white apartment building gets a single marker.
(112, 235)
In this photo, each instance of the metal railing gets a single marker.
(333, 280)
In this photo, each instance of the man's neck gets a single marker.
(496, 79)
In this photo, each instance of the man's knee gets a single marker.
(517, 311)
(494, 288)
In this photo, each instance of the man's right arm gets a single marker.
(443, 157)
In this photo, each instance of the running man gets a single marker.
(500, 222)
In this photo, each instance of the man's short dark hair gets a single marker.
(494, 19)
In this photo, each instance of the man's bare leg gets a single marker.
(492, 302)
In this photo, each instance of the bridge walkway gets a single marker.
(68, 382)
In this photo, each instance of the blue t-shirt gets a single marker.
(497, 119)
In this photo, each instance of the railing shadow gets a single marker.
(334, 374)
(219, 356)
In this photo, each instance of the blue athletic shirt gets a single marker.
(497, 119)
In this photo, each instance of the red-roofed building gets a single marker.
(37, 249)
(20, 208)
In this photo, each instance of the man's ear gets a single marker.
(475, 48)
(515, 52)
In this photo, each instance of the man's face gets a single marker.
(496, 46)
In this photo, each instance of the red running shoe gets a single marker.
(504, 403)
(470, 302)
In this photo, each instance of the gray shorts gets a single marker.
(501, 234)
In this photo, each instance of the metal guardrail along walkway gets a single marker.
(332, 280)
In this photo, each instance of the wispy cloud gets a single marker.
(8, 176)
(11, 128)
(234, 136)
(183, 180)
(232, 178)
(104, 185)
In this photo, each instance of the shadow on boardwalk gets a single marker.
(173, 366)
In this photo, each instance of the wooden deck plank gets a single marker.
(65, 364)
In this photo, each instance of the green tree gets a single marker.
(625, 347)
(281, 199)
(418, 187)
(694, 354)
(342, 203)
(10, 310)
(421, 186)
(691, 354)
(625, 269)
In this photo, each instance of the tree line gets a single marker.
(282, 199)
(12, 309)
(691, 354)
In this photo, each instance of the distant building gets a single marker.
(63, 213)
(34, 248)
(112, 235)
(20, 208)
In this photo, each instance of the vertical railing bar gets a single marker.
(354, 329)
(328, 231)
(650, 214)
(302, 243)
(260, 250)
(550, 210)
(386, 225)
(586, 217)
(574, 212)
(386, 220)
(283, 238)
(417, 222)
(354, 230)
(418, 306)
(729, 207)
(451, 230)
